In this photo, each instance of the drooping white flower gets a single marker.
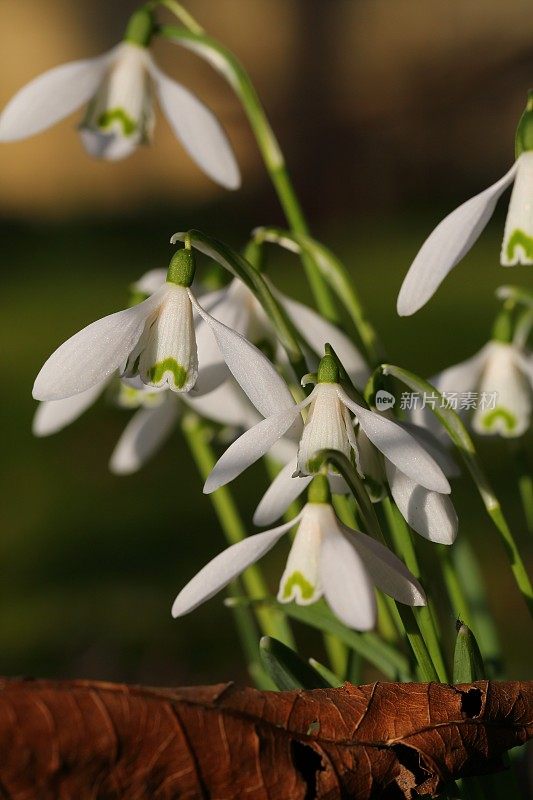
(119, 87)
(429, 513)
(456, 234)
(326, 559)
(500, 380)
(155, 339)
(329, 425)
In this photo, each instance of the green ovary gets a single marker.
(297, 579)
(107, 118)
(519, 239)
(499, 413)
(158, 371)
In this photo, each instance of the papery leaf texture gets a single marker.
(85, 739)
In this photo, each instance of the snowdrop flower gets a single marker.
(118, 87)
(456, 234)
(329, 426)
(429, 513)
(156, 341)
(326, 559)
(500, 377)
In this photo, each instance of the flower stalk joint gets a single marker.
(328, 370)
(182, 268)
(140, 28)
(319, 491)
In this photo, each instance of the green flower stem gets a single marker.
(337, 276)
(466, 568)
(232, 70)
(524, 479)
(179, 12)
(458, 600)
(271, 621)
(403, 544)
(463, 441)
(249, 639)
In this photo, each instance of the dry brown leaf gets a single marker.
(95, 740)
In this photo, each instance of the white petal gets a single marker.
(249, 447)
(447, 245)
(251, 369)
(151, 281)
(284, 450)
(517, 247)
(430, 514)
(54, 415)
(143, 436)
(346, 583)
(317, 332)
(226, 405)
(434, 447)
(399, 447)
(226, 566)
(283, 490)
(198, 130)
(169, 357)
(92, 354)
(387, 572)
(325, 427)
(51, 97)
(301, 578)
(504, 401)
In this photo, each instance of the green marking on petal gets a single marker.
(297, 579)
(507, 416)
(107, 118)
(158, 371)
(519, 239)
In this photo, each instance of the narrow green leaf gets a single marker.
(329, 676)
(286, 668)
(467, 660)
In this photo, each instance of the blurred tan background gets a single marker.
(391, 94)
(390, 113)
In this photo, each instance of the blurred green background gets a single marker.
(390, 114)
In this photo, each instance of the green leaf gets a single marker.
(329, 676)
(467, 660)
(286, 668)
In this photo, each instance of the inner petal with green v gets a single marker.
(296, 581)
(169, 365)
(499, 419)
(109, 117)
(519, 241)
